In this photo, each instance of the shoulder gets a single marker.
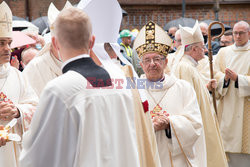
(14, 71)
(186, 66)
(183, 84)
(67, 84)
(225, 49)
(37, 61)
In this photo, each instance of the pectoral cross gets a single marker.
(6, 21)
(155, 110)
(4, 98)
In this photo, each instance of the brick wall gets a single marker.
(138, 15)
(38, 8)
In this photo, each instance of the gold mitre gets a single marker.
(53, 12)
(5, 20)
(152, 38)
(191, 35)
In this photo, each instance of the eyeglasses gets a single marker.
(239, 33)
(178, 40)
(155, 60)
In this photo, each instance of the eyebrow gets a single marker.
(4, 40)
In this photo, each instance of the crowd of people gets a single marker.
(145, 101)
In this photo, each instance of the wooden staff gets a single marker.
(210, 54)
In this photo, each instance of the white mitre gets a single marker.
(191, 35)
(53, 13)
(67, 5)
(152, 38)
(5, 20)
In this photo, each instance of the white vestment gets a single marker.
(42, 69)
(79, 126)
(187, 70)
(18, 91)
(234, 104)
(186, 124)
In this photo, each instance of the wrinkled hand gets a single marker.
(161, 122)
(229, 74)
(14, 62)
(212, 84)
(8, 111)
(2, 140)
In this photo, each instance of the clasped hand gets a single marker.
(161, 122)
(229, 74)
(8, 111)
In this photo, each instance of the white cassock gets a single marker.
(79, 126)
(234, 104)
(187, 69)
(16, 89)
(42, 69)
(186, 124)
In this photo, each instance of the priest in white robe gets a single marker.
(82, 119)
(17, 99)
(172, 103)
(46, 65)
(187, 69)
(106, 53)
(232, 67)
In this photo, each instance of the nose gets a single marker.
(205, 50)
(7, 47)
(152, 62)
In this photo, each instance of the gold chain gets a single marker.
(154, 98)
(3, 84)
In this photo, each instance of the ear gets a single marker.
(54, 43)
(141, 64)
(91, 42)
(193, 48)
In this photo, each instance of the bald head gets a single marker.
(241, 33)
(73, 29)
(172, 31)
(28, 54)
(242, 24)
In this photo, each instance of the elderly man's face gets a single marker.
(199, 51)
(153, 65)
(226, 40)
(241, 35)
(177, 40)
(5, 50)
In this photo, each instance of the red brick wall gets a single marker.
(38, 8)
(162, 2)
(139, 14)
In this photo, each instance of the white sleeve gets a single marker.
(188, 126)
(52, 137)
(244, 85)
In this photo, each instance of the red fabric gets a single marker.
(145, 106)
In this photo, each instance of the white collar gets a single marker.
(192, 60)
(243, 45)
(73, 59)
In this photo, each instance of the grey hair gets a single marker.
(203, 24)
(189, 47)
